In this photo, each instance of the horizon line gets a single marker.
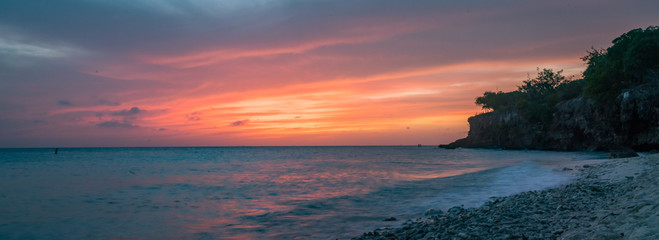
(229, 146)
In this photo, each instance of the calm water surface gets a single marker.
(251, 192)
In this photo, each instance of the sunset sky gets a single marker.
(105, 73)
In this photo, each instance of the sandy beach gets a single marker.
(613, 199)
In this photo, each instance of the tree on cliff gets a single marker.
(550, 112)
(544, 84)
(535, 98)
(499, 100)
(629, 62)
(540, 95)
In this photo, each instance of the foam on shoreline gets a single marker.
(613, 199)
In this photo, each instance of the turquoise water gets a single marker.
(252, 192)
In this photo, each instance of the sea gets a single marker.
(254, 192)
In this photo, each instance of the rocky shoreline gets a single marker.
(617, 199)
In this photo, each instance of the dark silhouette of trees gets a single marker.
(544, 84)
(500, 100)
(535, 98)
(613, 106)
(629, 62)
(632, 60)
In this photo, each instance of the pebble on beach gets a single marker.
(613, 200)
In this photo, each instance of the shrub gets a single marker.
(632, 57)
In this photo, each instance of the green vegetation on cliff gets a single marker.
(631, 61)
(536, 98)
(615, 105)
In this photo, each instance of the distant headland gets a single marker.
(614, 107)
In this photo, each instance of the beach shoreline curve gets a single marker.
(614, 199)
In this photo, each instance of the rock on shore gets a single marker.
(617, 199)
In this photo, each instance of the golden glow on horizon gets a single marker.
(414, 106)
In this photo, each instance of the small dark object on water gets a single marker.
(56, 150)
(419, 145)
(390, 219)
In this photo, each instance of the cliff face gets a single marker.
(578, 124)
(630, 121)
(500, 130)
(639, 116)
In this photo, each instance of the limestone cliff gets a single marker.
(629, 121)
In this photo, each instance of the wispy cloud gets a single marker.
(64, 103)
(220, 54)
(116, 124)
(17, 48)
(240, 123)
(279, 72)
(130, 112)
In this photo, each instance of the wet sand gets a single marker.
(613, 199)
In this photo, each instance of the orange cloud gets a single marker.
(428, 99)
